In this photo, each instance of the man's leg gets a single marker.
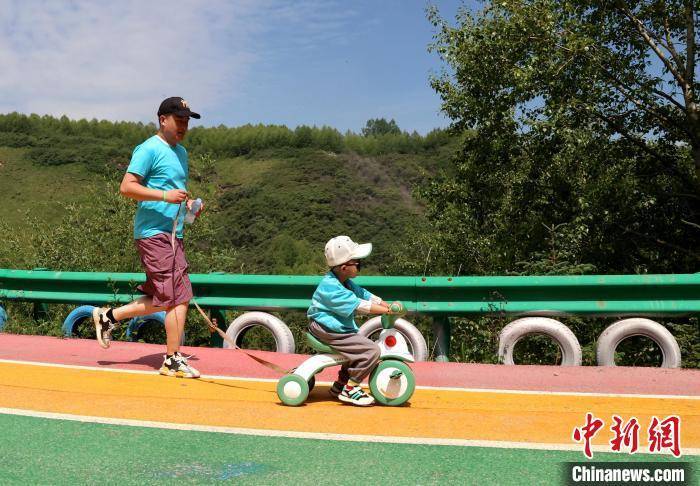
(139, 307)
(106, 319)
(175, 364)
(175, 326)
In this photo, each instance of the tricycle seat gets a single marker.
(318, 345)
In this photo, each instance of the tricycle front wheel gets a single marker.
(392, 383)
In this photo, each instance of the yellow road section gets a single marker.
(512, 417)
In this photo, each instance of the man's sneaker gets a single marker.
(355, 395)
(177, 366)
(103, 326)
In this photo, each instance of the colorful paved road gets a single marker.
(70, 411)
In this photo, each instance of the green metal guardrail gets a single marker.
(618, 295)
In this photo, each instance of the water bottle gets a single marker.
(192, 212)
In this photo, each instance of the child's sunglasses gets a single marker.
(356, 264)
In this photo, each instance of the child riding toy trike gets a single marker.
(391, 383)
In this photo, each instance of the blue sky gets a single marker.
(314, 62)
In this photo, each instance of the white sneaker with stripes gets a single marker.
(356, 396)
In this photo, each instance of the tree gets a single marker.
(379, 126)
(303, 136)
(628, 66)
(584, 152)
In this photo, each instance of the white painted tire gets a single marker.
(284, 340)
(615, 333)
(415, 339)
(518, 329)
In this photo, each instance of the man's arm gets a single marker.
(133, 188)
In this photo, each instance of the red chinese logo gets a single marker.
(662, 434)
(665, 434)
(627, 435)
(587, 432)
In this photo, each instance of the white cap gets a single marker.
(342, 249)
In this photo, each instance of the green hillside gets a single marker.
(273, 195)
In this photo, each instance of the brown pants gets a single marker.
(362, 353)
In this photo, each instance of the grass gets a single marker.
(244, 171)
(34, 191)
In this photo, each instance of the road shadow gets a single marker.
(151, 360)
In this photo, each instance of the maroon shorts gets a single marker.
(166, 277)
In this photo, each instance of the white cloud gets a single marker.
(116, 60)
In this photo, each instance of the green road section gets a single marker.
(46, 451)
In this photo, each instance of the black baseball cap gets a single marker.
(176, 106)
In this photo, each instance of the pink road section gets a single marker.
(228, 362)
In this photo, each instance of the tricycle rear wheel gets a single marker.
(292, 390)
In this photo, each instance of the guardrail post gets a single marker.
(441, 332)
(218, 313)
(40, 311)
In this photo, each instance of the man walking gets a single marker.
(157, 179)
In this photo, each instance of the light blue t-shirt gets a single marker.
(164, 168)
(333, 304)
